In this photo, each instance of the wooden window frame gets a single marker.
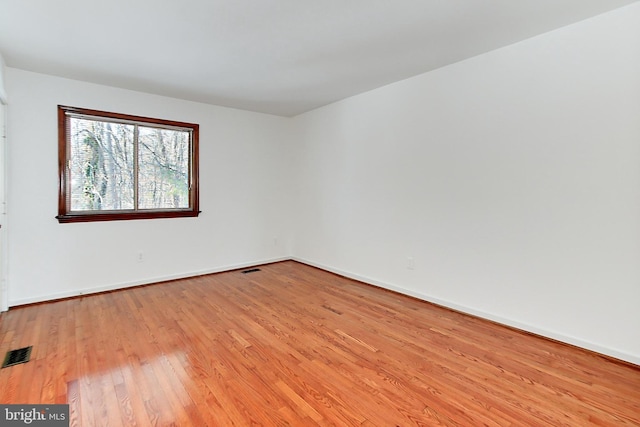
(66, 215)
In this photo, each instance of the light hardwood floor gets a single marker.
(294, 345)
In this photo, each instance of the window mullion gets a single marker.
(135, 167)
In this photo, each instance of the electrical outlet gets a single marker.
(140, 256)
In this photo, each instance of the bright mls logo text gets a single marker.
(44, 415)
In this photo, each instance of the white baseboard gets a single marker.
(462, 308)
(472, 311)
(147, 281)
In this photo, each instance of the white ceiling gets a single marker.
(281, 57)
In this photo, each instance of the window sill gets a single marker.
(124, 216)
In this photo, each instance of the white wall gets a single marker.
(4, 295)
(512, 179)
(243, 196)
(3, 92)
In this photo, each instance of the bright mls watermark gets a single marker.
(35, 415)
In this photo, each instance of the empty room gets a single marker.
(349, 213)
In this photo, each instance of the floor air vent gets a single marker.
(253, 270)
(15, 357)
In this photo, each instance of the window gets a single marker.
(117, 167)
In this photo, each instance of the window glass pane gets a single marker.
(101, 167)
(163, 168)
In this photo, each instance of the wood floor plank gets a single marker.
(291, 345)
